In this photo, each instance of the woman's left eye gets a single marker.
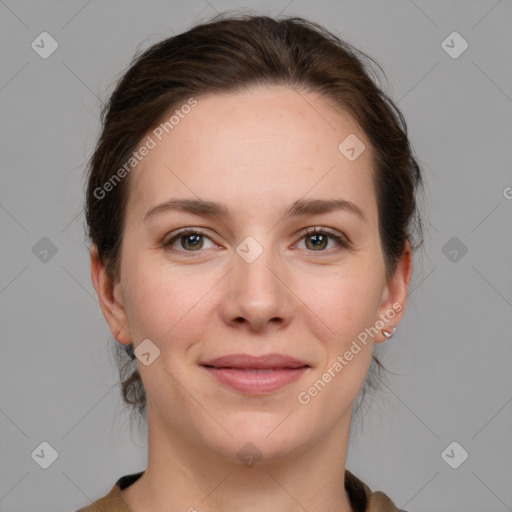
(320, 239)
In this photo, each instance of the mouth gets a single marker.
(256, 375)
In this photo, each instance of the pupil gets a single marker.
(319, 239)
(193, 237)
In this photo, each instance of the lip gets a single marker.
(256, 375)
(246, 361)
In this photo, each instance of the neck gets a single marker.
(183, 475)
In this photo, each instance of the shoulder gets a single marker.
(364, 500)
(113, 501)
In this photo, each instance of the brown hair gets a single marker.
(228, 54)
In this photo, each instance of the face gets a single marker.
(261, 262)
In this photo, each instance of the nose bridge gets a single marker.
(253, 266)
(257, 294)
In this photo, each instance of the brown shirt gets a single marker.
(361, 497)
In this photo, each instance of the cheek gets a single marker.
(343, 311)
(164, 304)
(340, 307)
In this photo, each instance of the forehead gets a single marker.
(253, 149)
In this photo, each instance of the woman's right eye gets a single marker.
(189, 240)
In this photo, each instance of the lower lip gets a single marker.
(257, 382)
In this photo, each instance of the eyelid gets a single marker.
(182, 232)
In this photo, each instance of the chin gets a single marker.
(259, 438)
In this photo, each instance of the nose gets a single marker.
(257, 295)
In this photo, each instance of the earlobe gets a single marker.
(389, 333)
(394, 302)
(110, 299)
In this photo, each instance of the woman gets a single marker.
(251, 207)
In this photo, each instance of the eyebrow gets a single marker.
(301, 207)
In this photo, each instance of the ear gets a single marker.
(394, 300)
(111, 299)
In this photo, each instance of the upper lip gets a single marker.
(254, 362)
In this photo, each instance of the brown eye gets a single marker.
(317, 239)
(187, 241)
(192, 241)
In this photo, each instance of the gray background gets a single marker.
(452, 353)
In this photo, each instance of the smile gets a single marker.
(256, 375)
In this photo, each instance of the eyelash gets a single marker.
(341, 241)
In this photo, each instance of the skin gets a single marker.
(256, 152)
